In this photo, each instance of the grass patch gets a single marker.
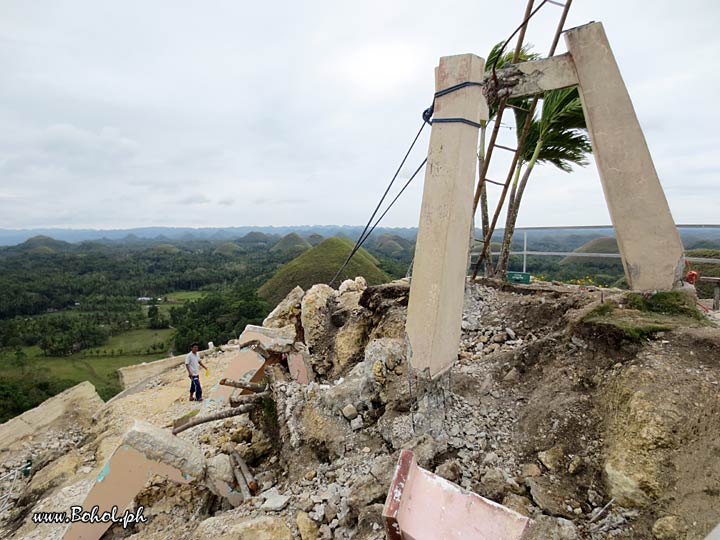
(51, 375)
(135, 342)
(643, 318)
(667, 303)
(184, 296)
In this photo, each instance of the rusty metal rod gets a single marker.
(501, 109)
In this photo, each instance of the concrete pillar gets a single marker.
(649, 243)
(441, 254)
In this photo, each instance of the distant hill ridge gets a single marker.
(11, 237)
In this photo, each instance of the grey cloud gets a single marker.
(194, 199)
(308, 112)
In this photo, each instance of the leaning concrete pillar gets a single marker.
(441, 254)
(649, 243)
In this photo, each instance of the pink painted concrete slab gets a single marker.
(123, 476)
(423, 506)
(298, 369)
(247, 365)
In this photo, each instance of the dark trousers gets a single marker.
(195, 387)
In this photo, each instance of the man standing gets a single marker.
(192, 364)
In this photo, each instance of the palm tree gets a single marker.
(496, 59)
(559, 137)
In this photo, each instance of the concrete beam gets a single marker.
(649, 243)
(535, 77)
(441, 255)
(423, 506)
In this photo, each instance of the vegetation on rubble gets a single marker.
(667, 303)
(642, 317)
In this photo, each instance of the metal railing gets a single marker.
(525, 251)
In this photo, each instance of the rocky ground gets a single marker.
(593, 433)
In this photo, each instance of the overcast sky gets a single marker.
(226, 113)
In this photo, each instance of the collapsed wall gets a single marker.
(136, 373)
(81, 402)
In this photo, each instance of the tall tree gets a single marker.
(558, 137)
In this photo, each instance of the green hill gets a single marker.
(292, 245)
(41, 244)
(605, 244)
(319, 266)
(314, 239)
(227, 248)
(392, 245)
(255, 238)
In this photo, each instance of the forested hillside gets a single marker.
(78, 311)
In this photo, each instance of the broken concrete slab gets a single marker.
(246, 365)
(424, 506)
(277, 340)
(160, 445)
(299, 367)
(81, 400)
(145, 451)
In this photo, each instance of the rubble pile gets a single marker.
(539, 415)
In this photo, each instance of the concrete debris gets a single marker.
(535, 417)
(287, 312)
(670, 528)
(258, 528)
(274, 501)
(349, 411)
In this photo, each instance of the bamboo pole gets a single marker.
(240, 479)
(236, 401)
(254, 387)
(250, 481)
(226, 413)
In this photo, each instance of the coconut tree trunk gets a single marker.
(507, 235)
(513, 210)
